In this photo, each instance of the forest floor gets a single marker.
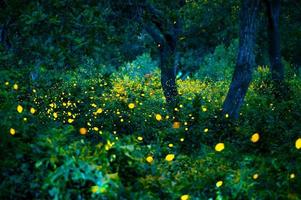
(82, 137)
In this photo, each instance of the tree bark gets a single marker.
(277, 69)
(168, 63)
(245, 60)
(4, 40)
(168, 66)
(165, 34)
(4, 27)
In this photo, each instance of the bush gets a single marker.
(141, 66)
(100, 137)
(219, 65)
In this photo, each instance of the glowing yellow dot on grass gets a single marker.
(15, 86)
(95, 128)
(149, 159)
(55, 115)
(176, 125)
(226, 115)
(206, 130)
(99, 110)
(170, 145)
(169, 157)
(70, 120)
(204, 109)
(6, 83)
(219, 183)
(219, 147)
(255, 137)
(95, 189)
(32, 110)
(139, 138)
(83, 131)
(19, 109)
(292, 176)
(158, 117)
(109, 145)
(298, 143)
(185, 197)
(12, 131)
(255, 176)
(131, 105)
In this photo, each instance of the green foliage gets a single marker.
(74, 127)
(50, 157)
(61, 34)
(139, 67)
(219, 65)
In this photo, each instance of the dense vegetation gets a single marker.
(150, 99)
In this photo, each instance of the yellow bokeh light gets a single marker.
(176, 125)
(219, 147)
(298, 143)
(95, 189)
(169, 157)
(131, 105)
(219, 183)
(15, 86)
(149, 159)
(19, 109)
(83, 131)
(158, 117)
(185, 197)
(255, 176)
(12, 131)
(99, 110)
(55, 115)
(32, 110)
(255, 137)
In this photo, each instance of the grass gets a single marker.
(74, 136)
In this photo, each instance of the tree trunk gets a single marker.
(168, 66)
(245, 60)
(164, 32)
(273, 10)
(166, 41)
(4, 37)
